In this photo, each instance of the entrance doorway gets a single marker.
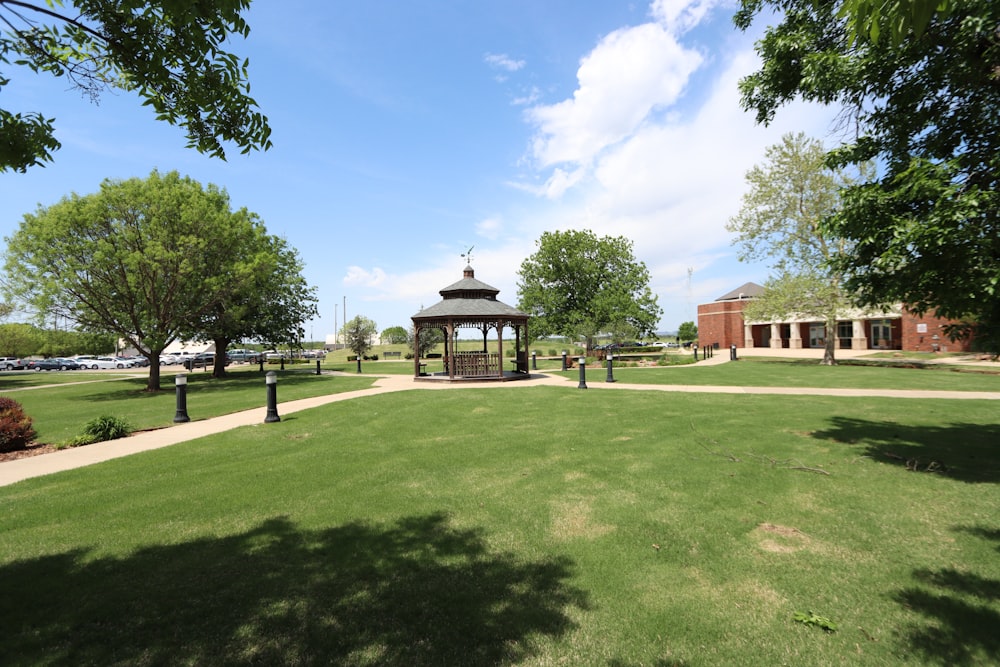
(881, 334)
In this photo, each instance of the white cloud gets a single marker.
(503, 62)
(679, 16)
(360, 277)
(628, 75)
(489, 228)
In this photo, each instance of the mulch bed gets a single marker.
(30, 450)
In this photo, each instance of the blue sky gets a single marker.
(406, 133)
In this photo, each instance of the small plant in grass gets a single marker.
(107, 427)
(15, 427)
(811, 618)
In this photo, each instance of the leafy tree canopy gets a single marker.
(577, 284)
(926, 231)
(687, 331)
(358, 334)
(169, 53)
(781, 219)
(394, 336)
(272, 304)
(143, 259)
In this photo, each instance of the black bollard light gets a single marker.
(317, 367)
(695, 348)
(564, 359)
(271, 379)
(181, 416)
(282, 362)
(611, 374)
(732, 352)
(534, 360)
(583, 373)
(359, 363)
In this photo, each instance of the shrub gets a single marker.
(553, 353)
(15, 426)
(107, 427)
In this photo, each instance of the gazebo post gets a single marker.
(499, 349)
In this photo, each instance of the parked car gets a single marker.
(47, 365)
(11, 364)
(70, 364)
(248, 356)
(137, 362)
(95, 363)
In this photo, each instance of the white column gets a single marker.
(747, 335)
(776, 335)
(858, 339)
(795, 338)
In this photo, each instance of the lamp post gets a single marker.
(534, 360)
(271, 379)
(611, 375)
(359, 362)
(181, 416)
(583, 373)
(564, 359)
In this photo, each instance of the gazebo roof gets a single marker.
(470, 299)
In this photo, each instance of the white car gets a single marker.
(105, 363)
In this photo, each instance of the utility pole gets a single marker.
(336, 330)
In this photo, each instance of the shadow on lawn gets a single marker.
(959, 610)
(966, 452)
(418, 592)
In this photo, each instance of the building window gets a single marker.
(845, 334)
(817, 335)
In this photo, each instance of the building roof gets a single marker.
(744, 291)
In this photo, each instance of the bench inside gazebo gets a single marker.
(472, 304)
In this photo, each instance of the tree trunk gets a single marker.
(219, 367)
(153, 382)
(830, 343)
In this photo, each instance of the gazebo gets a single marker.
(472, 304)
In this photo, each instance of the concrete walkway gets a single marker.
(77, 457)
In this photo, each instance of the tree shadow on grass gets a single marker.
(959, 613)
(418, 592)
(966, 452)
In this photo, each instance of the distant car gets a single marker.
(47, 365)
(11, 363)
(104, 363)
(248, 356)
(70, 364)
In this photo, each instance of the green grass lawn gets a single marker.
(60, 411)
(524, 525)
(756, 372)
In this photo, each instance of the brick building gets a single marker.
(721, 324)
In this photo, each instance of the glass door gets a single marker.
(881, 334)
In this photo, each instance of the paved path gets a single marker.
(77, 457)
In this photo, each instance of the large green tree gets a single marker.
(142, 258)
(271, 305)
(923, 103)
(780, 220)
(579, 285)
(169, 53)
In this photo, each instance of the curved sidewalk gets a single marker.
(78, 457)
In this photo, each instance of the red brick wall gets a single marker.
(721, 322)
(924, 341)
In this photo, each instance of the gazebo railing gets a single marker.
(476, 364)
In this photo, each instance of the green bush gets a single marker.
(107, 427)
(553, 353)
(16, 431)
